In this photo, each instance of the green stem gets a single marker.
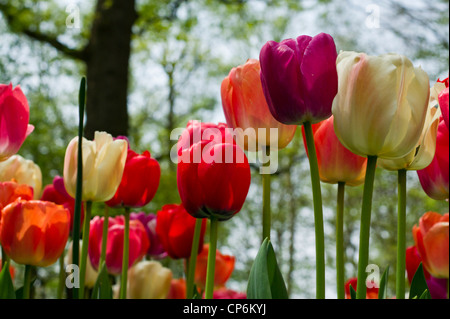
(340, 269)
(193, 259)
(126, 249)
(210, 270)
(84, 247)
(62, 277)
(266, 200)
(27, 282)
(364, 235)
(104, 237)
(401, 235)
(318, 214)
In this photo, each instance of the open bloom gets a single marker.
(175, 229)
(336, 163)
(34, 232)
(14, 117)
(23, 171)
(139, 243)
(299, 78)
(213, 174)
(103, 165)
(156, 249)
(139, 182)
(148, 280)
(431, 239)
(381, 105)
(245, 108)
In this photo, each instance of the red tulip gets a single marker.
(336, 163)
(299, 78)
(177, 289)
(175, 229)
(371, 293)
(14, 117)
(213, 173)
(139, 182)
(245, 107)
(431, 238)
(443, 101)
(34, 232)
(139, 243)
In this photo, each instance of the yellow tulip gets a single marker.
(148, 280)
(23, 171)
(381, 105)
(103, 164)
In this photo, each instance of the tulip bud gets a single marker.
(148, 280)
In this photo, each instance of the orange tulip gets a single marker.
(11, 191)
(371, 293)
(431, 238)
(177, 289)
(34, 232)
(223, 270)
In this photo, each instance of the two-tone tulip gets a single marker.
(23, 171)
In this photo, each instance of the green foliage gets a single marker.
(419, 287)
(6, 284)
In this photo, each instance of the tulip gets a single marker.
(156, 249)
(442, 97)
(14, 117)
(139, 243)
(224, 267)
(225, 293)
(437, 286)
(149, 280)
(299, 78)
(23, 171)
(139, 182)
(371, 293)
(175, 229)
(12, 191)
(177, 289)
(431, 239)
(245, 107)
(103, 166)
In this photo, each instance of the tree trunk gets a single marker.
(107, 63)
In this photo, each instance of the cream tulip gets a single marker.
(103, 164)
(23, 171)
(148, 280)
(381, 105)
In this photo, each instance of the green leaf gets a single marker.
(266, 281)
(382, 292)
(6, 284)
(352, 292)
(102, 288)
(419, 286)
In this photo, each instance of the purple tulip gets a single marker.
(156, 249)
(299, 78)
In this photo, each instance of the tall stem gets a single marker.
(193, 259)
(340, 269)
(318, 214)
(210, 270)
(126, 249)
(364, 236)
(266, 199)
(62, 277)
(27, 282)
(104, 237)
(84, 247)
(401, 235)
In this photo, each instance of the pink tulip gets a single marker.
(14, 117)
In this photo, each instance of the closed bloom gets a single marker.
(223, 270)
(139, 182)
(213, 174)
(431, 239)
(336, 163)
(245, 108)
(148, 280)
(23, 171)
(156, 249)
(12, 191)
(103, 165)
(139, 243)
(381, 105)
(34, 232)
(14, 117)
(175, 229)
(299, 78)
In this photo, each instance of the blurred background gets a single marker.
(153, 65)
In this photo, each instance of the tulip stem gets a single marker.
(27, 282)
(340, 269)
(104, 237)
(401, 235)
(318, 214)
(193, 259)
(266, 198)
(84, 247)
(364, 235)
(126, 249)
(62, 277)
(210, 270)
